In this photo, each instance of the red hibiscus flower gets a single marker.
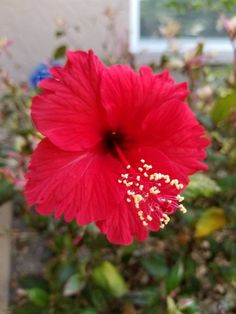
(118, 149)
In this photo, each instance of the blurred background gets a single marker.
(49, 267)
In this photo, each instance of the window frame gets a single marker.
(219, 47)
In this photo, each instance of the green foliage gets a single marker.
(223, 106)
(174, 278)
(150, 263)
(110, 279)
(74, 285)
(38, 297)
(185, 5)
(187, 267)
(201, 186)
(60, 52)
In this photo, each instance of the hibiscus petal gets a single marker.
(69, 110)
(173, 129)
(122, 225)
(81, 186)
(125, 91)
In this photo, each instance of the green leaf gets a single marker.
(28, 308)
(38, 297)
(211, 220)
(144, 297)
(201, 186)
(97, 297)
(223, 107)
(172, 307)
(64, 271)
(32, 281)
(108, 277)
(88, 311)
(227, 183)
(74, 285)
(60, 52)
(175, 277)
(229, 272)
(155, 265)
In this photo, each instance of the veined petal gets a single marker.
(76, 185)
(173, 129)
(69, 110)
(122, 226)
(129, 97)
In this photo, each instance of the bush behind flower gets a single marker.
(187, 268)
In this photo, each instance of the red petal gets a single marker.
(77, 185)
(125, 91)
(69, 111)
(122, 225)
(173, 129)
(159, 161)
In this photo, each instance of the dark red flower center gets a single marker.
(113, 139)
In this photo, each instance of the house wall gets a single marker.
(98, 24)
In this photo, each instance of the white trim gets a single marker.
(134, 22)
(219, 47)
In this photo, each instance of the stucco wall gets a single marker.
(31, 25)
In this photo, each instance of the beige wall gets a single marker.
(31, 24)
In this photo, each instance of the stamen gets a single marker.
(153, 195)
(182, 209)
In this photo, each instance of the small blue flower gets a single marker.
(41, 72)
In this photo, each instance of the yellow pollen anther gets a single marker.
(138, 178)
(179, 198)
(130, 192)
(125, 175)
(142, 161)
(146, 175)
(119, 181)
(141, 187)
(166, 218)
(167, 179)
(128, 200)
(147, 167)
(137, 198)
(174, 182)
(128, 167)
(140, 212)
(154, 190)
(140, 169)
(145, 223)
(149, 217)
(182, 209)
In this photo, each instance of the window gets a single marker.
(148, 15)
